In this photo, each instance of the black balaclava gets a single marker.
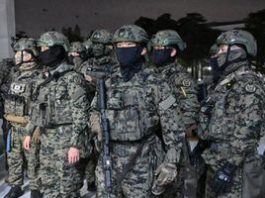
(53, 56)
(162, 57)
(226, 63)
(130, 60)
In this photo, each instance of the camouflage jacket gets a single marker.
(61, 100)
(138, 107)
(6, 72)
(233, 118)
(185, 90)
(19, 95)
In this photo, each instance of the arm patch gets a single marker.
(167, 103)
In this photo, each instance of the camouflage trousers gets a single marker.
(59, 178)
(19, 159)
(138, 180)
(234, 192)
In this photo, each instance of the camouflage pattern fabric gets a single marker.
(63, 127)
(185, 90)
(6, 71)
(18, 157)
(21, 86)
(233, 121)
(135, 110)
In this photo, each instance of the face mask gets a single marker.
(98, 50)
(53, 56)
(129, 55)
(162, 57)
(216, 70)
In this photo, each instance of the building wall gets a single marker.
(7, 27)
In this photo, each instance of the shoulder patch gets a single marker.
(167, 103)
(250, 88)
(186, 83)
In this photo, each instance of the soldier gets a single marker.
(99, 66)
(77, 55)
(166, 45)
(60, 111)
(232, 119)
(138, 102)
(102, 63)
(7, 68)
(17, 106)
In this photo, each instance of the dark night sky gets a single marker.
(36, 16)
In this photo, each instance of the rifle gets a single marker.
(105, 127)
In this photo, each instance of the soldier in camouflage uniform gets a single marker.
(232, 119)
(138, 102)
(17, 106)
(77, 55)
(166, 45)
(99, 66)
(60, 111)
(6, 71)
(102, 63)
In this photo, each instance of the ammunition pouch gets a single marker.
(51, 114)
(139, 116)
(16, 105)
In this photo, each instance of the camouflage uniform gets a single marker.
(17, 107)
(232, 119)
(185, 90)
(100, 66)
(61, 111)
(136, 107)
(6, 72)
(80, 57)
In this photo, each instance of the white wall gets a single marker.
(7, 27)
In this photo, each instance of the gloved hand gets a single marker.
(165, 174)
(223, 178)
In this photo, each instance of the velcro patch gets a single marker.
(250, 88)
(186, 83)
(167, 103)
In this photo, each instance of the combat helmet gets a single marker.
(168, 38)
(130, 33)
(239, 37)
(101, 36)
(52, 38)
(77, 47)
(27, 44)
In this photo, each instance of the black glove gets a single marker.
(223, 178)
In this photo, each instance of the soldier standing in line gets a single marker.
(61, 112)
(166, 46)
(138, 102)
(17, 107)
(232, 119)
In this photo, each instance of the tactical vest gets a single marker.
(131, 109)
(17, 101)
(53, 106)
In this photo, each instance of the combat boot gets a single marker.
(35, 194)
(14, 192)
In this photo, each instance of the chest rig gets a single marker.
(18, 99)
(131, 108)
(52, 106)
